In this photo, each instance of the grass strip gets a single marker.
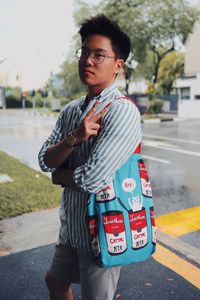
(30, 190)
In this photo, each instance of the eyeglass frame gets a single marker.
(89, 53)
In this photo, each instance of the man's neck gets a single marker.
(92, 94)
(95, 91)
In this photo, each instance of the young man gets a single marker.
(92, 138)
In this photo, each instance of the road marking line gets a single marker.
(170, 139)
(164, 161)
(177, 264)
(158, 146)
(180, 222)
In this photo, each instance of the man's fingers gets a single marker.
(98, 116)
(94, 126)
(92, 110)
(93, 132)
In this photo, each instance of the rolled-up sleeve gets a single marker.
(119, 136)
(55, 137)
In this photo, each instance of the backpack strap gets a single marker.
(138, 149)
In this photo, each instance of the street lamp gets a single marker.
(129, 67)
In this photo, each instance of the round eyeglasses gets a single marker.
(97, 56)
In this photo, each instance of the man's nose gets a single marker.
(88, 58)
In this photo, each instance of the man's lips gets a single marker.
(86, 71)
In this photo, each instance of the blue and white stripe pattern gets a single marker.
(96, 160)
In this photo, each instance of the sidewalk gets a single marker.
(43, 227)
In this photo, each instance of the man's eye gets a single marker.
(98, 55)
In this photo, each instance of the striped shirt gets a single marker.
(94, 161)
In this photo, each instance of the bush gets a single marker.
(155, 106)
(12, 102)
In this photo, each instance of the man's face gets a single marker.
(98, 75)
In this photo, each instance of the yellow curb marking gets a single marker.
(172, 261)
(180, 222)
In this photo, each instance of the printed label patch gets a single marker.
(128, 185)
(106, 194)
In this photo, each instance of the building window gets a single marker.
(185, 93)
(197, 97)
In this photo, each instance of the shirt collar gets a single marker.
(107, 94)
(105, 97)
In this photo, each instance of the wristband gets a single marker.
(71, 140)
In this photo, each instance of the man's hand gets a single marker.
(56, 176)
(90, 125)
(57, 154)
(64, 177)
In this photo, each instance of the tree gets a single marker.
(171, 67)
(156, 27)
(71, 79)
(83, 11)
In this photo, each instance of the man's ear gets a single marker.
(119, 65)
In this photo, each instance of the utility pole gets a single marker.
(2, 90)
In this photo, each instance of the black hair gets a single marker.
(102, 25)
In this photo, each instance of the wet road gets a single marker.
(175, 180)
(22, 134)
(173, 158)
(143, 281)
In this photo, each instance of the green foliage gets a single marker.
(14, 98)
(155, 27)
(171, 67)
(29, 191)
(39, 101)
(72, 83)
(83, 11)
(14, 92)
(155, 106)
(154, 24)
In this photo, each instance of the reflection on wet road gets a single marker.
(23, 134)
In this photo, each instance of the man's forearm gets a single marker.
(57, 154)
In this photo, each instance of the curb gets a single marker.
(189, 253)
(157, 120)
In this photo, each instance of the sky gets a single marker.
(35, 38)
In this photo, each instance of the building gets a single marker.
(188, 86)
